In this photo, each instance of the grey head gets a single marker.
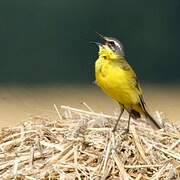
(114, 44)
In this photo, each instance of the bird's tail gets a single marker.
(154, 122)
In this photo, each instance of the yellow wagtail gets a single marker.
(117, 79)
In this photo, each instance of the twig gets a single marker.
(138, 144)
(59, 115)
(89, 108)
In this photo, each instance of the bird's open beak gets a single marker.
(101, 36)
(97, 43)
(100, 44)
(104, 38)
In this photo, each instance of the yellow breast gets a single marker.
(116, 82)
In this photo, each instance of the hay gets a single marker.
(80, 145)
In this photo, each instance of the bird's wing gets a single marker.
(135, 83)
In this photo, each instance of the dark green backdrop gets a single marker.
(44, 41)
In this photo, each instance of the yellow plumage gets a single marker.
(117, 79)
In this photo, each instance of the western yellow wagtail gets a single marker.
(117, 79)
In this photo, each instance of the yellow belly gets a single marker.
(117, 83)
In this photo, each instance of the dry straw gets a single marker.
(80, 145)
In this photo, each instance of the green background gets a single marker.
(44, 41)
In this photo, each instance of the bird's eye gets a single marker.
(111, 43)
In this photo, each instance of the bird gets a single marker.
(118, 80)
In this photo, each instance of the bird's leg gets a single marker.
(120, 114)
(127, 129)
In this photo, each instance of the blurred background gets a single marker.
(46, 57)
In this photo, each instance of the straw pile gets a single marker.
(80, 145)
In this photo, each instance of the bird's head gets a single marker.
(110, 48)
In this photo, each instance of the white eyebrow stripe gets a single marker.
(117, 44)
